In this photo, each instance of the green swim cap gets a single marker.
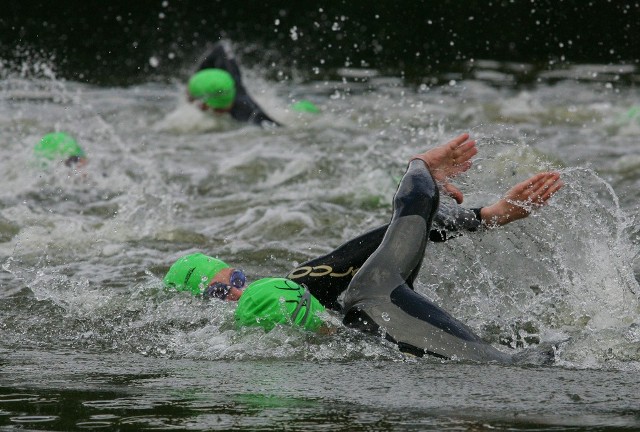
(305, 106)
(58, 145)
(215, 87)
(193, 273)
(270, 301)
(633, 113)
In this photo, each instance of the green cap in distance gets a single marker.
(270, 301)
(58, 145)
(633, 113)
(215, 87)
(193, 272)
(305, 106)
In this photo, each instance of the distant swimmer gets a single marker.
(632, 115)
(305, 106)
(59, 147)
(375, 272)
(217, 86)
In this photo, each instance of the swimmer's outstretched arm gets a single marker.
(518, 203)
(522, 199)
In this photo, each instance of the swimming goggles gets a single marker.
(72, 160)
(221, 290)
(304, 302)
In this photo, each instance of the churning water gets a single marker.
(89, 339)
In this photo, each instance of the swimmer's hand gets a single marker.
(522, 199)
(448, 160)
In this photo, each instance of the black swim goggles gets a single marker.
(72, 160)
(221, 290)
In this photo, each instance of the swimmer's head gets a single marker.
(201, 274)
(59, 146)
(215, 87)
(270, 301)
(305, 106)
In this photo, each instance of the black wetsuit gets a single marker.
(244, 108)
(380, 298)
(329, 275)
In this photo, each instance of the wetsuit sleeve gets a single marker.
(397, 260)
(244, 108)
(329, 275)
(451, 219)
(221, 57)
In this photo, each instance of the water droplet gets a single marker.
(293, 33)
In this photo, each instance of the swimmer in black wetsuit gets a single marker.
(329, 275)
(378, 269)
(380, 298)
(241, 107)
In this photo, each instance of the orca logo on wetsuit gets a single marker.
(320, 271)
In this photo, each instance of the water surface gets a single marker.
(89, 339)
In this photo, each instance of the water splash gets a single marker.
(83, 257)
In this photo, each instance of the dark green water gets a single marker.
(275, 394)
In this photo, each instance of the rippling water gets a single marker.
(89, 339)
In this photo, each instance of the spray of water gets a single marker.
(83, 253)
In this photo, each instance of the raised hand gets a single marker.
(448, 160)
(522, 199)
